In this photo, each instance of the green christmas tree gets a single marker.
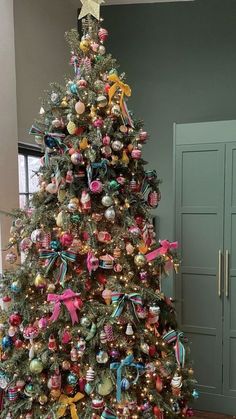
(85, 330)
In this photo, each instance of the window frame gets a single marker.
(27, 150)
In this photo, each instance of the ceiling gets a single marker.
(110, 2)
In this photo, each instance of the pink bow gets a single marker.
(165, 248)
(67, 298)
(92, 262)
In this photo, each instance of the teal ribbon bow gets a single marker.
(118, 366)
(132, 300)
(52, 255)
(55, 136)
(108, 414)
(174, 336)
(149, 176)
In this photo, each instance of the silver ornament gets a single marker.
(102, 357)
(117, 145)
(107, 201)
(110, 214)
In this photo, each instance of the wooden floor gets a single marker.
(208, 415)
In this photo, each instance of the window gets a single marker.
(28, 164)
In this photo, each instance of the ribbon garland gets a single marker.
(165, 247)
(174, 336)
(108, 414)
(98, 165)
(125, 91)
(66, 402)
(56, 136)
(149, 176)
(67, 298)
(52, 256)
(124, 299)
(127, 362)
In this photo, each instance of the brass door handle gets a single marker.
(227, 273)
(219, 272)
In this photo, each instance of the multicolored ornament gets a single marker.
(12, 394)
(109, 332)
(90, 375)
(103, 34)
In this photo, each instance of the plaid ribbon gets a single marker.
(123, 300)
(52, 255)
(174, 336)
(55, 136)
(108, 414)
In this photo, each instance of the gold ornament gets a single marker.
(43, 399)
(84, 46)
(55, 394)
(71, 127)
(64, 103)
(140, 260)
(61, 195)
(40, 281)
(90, 7)
(83, 144)
(51, 288)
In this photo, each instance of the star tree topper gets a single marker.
(91, 7)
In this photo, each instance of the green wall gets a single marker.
(180, 60)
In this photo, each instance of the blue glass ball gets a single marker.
(73, 88)
(50, 142)
(55, 245)
(72, 379)
(16, 287)
(195, 394)
(6, 342)
(125, 384)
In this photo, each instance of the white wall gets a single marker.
(8, 120)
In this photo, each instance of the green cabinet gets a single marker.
(205, 224)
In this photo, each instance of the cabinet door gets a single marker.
(199, 227)
(229, 342)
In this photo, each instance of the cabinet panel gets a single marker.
(199, 171)
(232, 357)
(200, 240)
(204, 366)
(229, 344)
(199, 291)
(205, 178)
(199, 225)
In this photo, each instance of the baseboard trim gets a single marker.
(216, 403)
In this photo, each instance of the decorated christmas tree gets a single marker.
(85, 330)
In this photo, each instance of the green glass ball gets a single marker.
(113, 184)
(36, 366)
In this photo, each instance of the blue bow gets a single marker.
(127, 362)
